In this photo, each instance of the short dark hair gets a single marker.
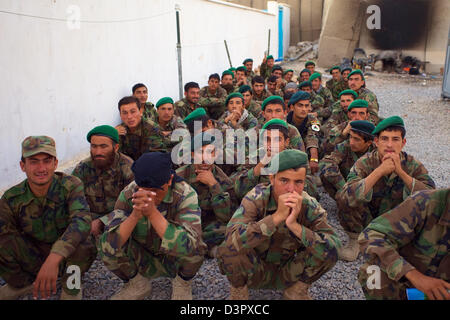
(257, 79)
(394, 128)
(214, 76)
(272, 79)
(276, 101)
(365, 137)
(204, 119)
(288, 95)
(190, 85)
(277, 68)
(128, 100)
(283, 130)
(137, 86)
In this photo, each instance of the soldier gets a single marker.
(44, 227)
(214, 189)
(104, 174)
(136, 135)
(212, 97)
(140, 91)
(325, 93)
(307, 125)
(266, 67)
(237, 116)
(250, 104)
(190, 101)
(332, 84)
(304, 75)
(154, 231)
(357, 83)
(306, 86)
(335, 167)
(311, 66)
(287, 75)
(277, 71)
(241, 78)
(343, 83)
(227, 81)
(410, 246)
(279, 237)
(379, 181)
(340, 108)
(291, 87)
(274, 86)
(357, 110)
(248, 63)
(258, 90)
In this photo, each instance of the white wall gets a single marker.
(61, 82)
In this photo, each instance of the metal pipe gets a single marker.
(180, 69)
(268, 45)
(228, 53)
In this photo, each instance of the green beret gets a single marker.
(305, 84)
(228, 72)
(362, 126)
(241, 68)
(270, 100)
(205, 138)
(106, 131)
(275, 122)
(277, 68)
(358, 103)
(347, 92)
(346, 69)
(247, 60)
(357, 71)
(288, 70)
(196, 114)
(234, 95)
(298, 96)
(289, 159)
(305, 70)
(245, 88)
(314, 76)
(308, 63)
(389, 122)
(334, 68)
(232, 69)
(269, 57)
(163, 101)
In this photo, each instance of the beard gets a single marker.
(228, 87)
(103, 162)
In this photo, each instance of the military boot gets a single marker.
(66, 296)
(136, 289)
(298, 291)
(351, 250)
(8, 292)
(239, 293)
(181, 289)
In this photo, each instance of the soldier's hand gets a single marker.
(396, 159)
(122, 130)
(314, 166)
(206, 177)
(295, 203)
(144, 202)
(45, 283)
(96, 227)
(387, 166)
(283, 210)
(347, 129)
(434, 288)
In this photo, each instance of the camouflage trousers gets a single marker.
(388, 290)
(134, 258)
(214, 233)
(21, 258)
(248, 268)
(328, 186)
(352, 219)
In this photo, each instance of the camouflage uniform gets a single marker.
(325, 93)
(338, 115)
(371, 98)
(309, 135)
(335, 136)
(166, 143)
(249, 121)
(214, 104)
(250, 76)
(183, 108)
(414, 235)
(335, 167)
(358, 210)
(102, 187)
(336, 87)
(260, 98)
(261, 255)
(181, 249)
(318, 105)
(265, 71)
(255, 109)
(149, 111)
(217, 203)
(31, 228)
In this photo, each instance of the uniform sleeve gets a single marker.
(8, 224)
(221, 202)
(329, 168)
(353, 190)
(421, 179)
(311, 139)
(245, 180)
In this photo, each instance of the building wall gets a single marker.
(62, 82)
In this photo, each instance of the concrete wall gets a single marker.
(62, 82)
(311, 12)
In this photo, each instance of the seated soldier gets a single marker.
(323, 110)
(104, 174)
(250, 104)
(343, 83)
(136, 135)
(357, 110)
(339, 110)
(277, 71)
(274, 86)
(249, 73)
(214, 189)
(357, 83)
(306, 86)
(265, 69)
(140, 91)
(379, 181)
(279, 237)
(44, 227)
(311, 66)
(332, 84)
(286, 97)
(190, 101)
(287, 75)
(227, 81)
(241, 77)
(335, 167)
(154, 231)
(290, 87)
(258, 89)
(212, 97)
(304, 76)
(410, 246)
(236, 116)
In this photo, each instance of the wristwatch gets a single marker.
(314, 159)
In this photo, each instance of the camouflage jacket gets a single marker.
(260, 98)
(246, 122)
(149, 111)
(318, 105)
(338, 115)
(252, 227)
(265, 71)
(325, 93)
(102, 187)
(336, 166)
(414, 235)
(335, 136)
(62, 218)
(214, 104)
(217, 202)
(309, 134)
(388, 192)
(180, 208)
(295, 139)
(371, 98)
(165, 141)
(183, 108)
(336, 87)
(255, 109)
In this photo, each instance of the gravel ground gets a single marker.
(427, 119)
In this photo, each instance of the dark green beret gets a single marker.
(247, 60)
(275, 122)
(346, 69)
(164, 101)
(314, 76)
(306, 83)
(289, 159)
(270, 100)
(205, 138)
(269, 57)
(106, 131)
(305, 70)
(228, 72)
(389, 122)
(196, 114)
(334, 68)
(232, 69)
(357, 71)
(241, 68)
(298, 96)
(362, 126)
(347, 92)
(358, 103)
(308, 63)
(288, 70)
(234, 95)
(245, 88)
